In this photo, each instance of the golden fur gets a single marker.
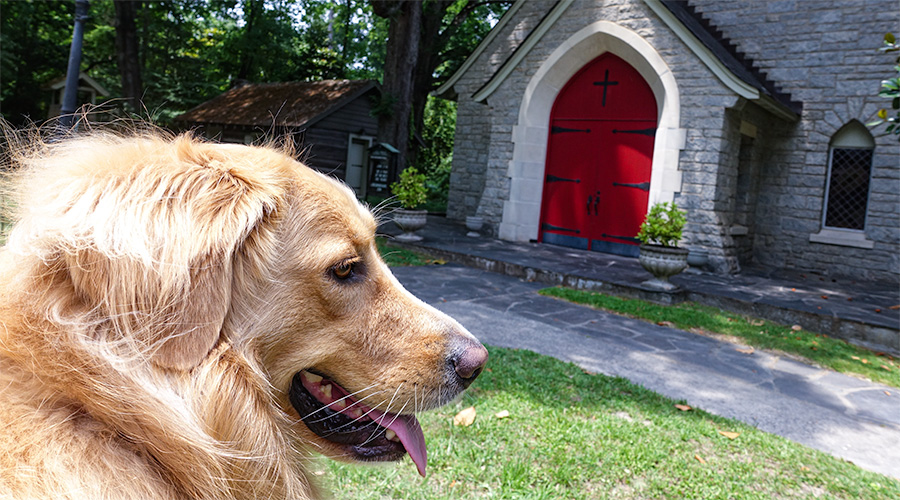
(159, 294)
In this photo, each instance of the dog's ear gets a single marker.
(190, 321)
(159, 260)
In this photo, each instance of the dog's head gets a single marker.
(184, 247)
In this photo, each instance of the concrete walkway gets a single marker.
(850, 418)
(864, 312)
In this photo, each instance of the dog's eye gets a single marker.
(343, 271)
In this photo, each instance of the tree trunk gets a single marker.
(400, 66)
(127, 52)
(252, 10)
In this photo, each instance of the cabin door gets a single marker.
(357, 161)
(597, 175)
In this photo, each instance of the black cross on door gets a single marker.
(605, 83)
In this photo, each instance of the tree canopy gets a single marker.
(167, 56)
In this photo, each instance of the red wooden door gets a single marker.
(597, 176)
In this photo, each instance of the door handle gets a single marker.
(596, 202)
(589, 205)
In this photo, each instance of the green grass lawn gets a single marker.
(576, 435)
(395, 256)
(820, 349)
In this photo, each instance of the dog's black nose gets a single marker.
(469, 361)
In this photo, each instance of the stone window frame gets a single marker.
(853, 135)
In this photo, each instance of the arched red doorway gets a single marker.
(597, 175)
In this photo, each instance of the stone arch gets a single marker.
(521, 213)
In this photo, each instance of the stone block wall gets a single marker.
(478, 181)
(824, 53)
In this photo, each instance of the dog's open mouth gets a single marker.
(370, 435)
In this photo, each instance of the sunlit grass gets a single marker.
(821, 349)
(396, 256)
(576, 435)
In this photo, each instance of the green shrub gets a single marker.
(662, 225)
(410, 190)
(890, 89)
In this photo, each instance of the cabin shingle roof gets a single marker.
(286, 104)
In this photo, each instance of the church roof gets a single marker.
(727, 52)
(286, 104)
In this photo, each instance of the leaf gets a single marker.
(683, 407)
(889, 38)
(894, 307)
(465, 418)
(699, 459)
(502, 414)
(748, 350)
(730, 435)
(758, 322)
(796, 328)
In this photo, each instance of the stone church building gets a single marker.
(574, 116)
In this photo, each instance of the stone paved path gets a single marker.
(845, 416)
(866, 312)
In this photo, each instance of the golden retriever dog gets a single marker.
(186, 320)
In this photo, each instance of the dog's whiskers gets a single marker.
(396, 415)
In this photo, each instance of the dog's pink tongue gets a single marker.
(410, 433)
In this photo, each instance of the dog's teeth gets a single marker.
(390, 435)
(339, 405)
(312, 377)
(326, 390)
(354, 412)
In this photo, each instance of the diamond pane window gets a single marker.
(850, 168)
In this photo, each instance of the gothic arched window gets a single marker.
(849, 172)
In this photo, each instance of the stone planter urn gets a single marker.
(662, 262)
(410, 221)
(474, 223)
(698, 258)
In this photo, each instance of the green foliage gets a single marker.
(410, 189)
(662, 225)
(575, 435)
(435, 159)
(348, 29)
(464, 25)
(890, 89)
(35, 39)
(396, 257)
(823, 350)
(190, 51)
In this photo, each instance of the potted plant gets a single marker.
(410, 192)
(660, 255)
